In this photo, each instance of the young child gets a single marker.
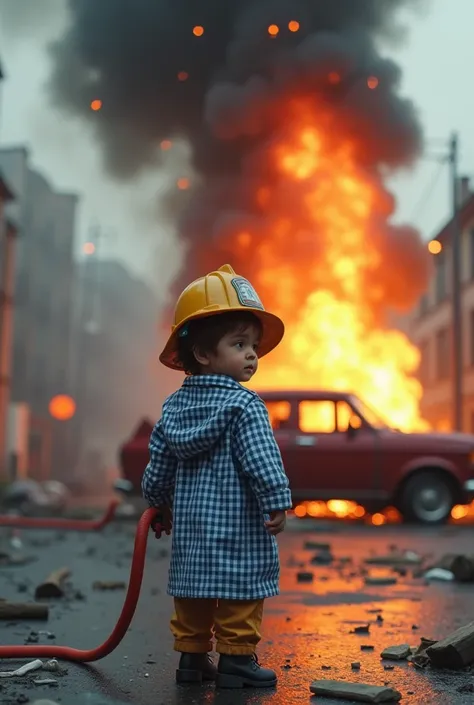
(215, 462)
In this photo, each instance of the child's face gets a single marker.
(235, 355)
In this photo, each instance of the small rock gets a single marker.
(367, 647)
(355, 665)
(317, 546)
(396, 653)
(388, 667)
(371, 580)
(322, 558)
(415, 627)
(363, 629)
(326, 668)
(379, 619)
(359, 691)
(304, 577)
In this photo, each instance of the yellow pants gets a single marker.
(235, 624)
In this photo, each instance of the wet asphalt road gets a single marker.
(307, 629)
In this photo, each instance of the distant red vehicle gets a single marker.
(335, 447)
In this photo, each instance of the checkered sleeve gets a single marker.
(160, 473)
(260, 458)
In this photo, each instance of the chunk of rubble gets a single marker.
(440, 574)
(396, 653)
(454, 651)
(304, 577)
(109, 585)
(380, 580)
(23, 670)
(395, 558)
(316, 546)
(419, 657)
(360, 692)
(362, 629)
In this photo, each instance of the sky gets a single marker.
(436, 59)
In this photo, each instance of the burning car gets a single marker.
(334, 446)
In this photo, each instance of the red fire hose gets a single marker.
(22, 522)
(128, 610)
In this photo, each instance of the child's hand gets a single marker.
(277, 522)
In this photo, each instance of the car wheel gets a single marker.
(427, 498)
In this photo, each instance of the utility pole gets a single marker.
(456, 328)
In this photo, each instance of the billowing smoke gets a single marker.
(226, 90)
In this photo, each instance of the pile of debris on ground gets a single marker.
(455, 652)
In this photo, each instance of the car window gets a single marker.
(279, 412)
(346, 416)
(317, 416)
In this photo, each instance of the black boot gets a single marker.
(195, 668)
(241, 671)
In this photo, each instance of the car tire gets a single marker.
(427, 498)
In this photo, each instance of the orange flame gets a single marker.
(327, 291)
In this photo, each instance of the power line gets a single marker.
(427, 193)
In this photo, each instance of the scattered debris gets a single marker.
(380, 580)
(395, 558)
(396, 653)
(23, 670)
(52, 665)
(304, 577)
(363, 629)
(355, 691)
(46, 681)
(109, 585)
(17, 610)
(419, 657)
(53, 585)
(322, 558)
(439, 574)
(455, 651)
(316, 546)
(460, 565)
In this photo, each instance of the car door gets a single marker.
(283, 414)
(333, 452)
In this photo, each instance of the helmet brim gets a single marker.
(273, 330)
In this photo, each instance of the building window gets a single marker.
(440, 277)
(443, 362)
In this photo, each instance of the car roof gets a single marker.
(306, 394)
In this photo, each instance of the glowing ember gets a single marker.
(182, 183)
(334, 78)
(293, 26)
(435, 247)
(165, 145)
(273, 30)
(96, 105)
(351, 511)
(372, 82)
(183, 76)
(198, 31)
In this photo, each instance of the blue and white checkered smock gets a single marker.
(214, 459)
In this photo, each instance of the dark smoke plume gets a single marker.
(128, 53)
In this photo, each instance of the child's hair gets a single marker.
(204, 335)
